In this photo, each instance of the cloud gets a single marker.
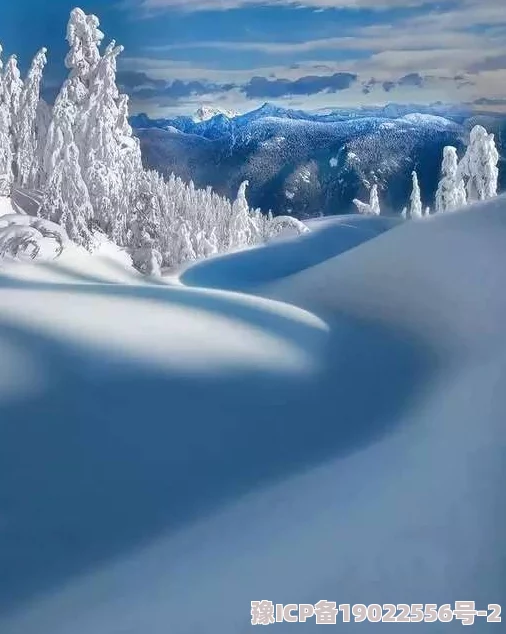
(412, 79)
(261, 87)
(255, 88)
(485, 101)
(450, 51)
(178, 90)
(369, 38)
(134, 80)
(150, 6)
(495, 62)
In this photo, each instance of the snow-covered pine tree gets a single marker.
(130, 169)
(479, 165)
(11, 93)
(374, 201)
(88, 164)
(5, 142)
(183, 247)
(25, 125)
(66, 200)
(373, 206)
(100, 152)
(415, 202)
(451, 191)
(240, 227)
(84, 38)
(13, 86)
(491, 170)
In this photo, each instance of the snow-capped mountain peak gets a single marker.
(205, 113)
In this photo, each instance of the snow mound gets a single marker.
(340, 437)
(377, 278)
(245, 270)
(25, 237)
(33, 248)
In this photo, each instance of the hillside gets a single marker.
(310, 164)
(144, 470)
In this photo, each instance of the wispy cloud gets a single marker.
(225, 5)
(390, 49)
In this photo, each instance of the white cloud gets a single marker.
(224, 5)
(367, 39)
(439, 45)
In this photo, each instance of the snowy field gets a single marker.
(322, 418)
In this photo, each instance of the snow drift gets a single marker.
(169, 454)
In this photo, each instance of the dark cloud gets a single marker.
(261, 87)
(174, 90)
(412, 79)
(388, 85)
(497, 62)
(485, 101)
(141, 87)
(130, 80)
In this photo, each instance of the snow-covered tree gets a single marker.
(415, 206)
(100, 150)
(5, 140)
(479, 165)
(84, 39)
(84, 157)
(373, 207)
(66, 199)
(22, 236)
(25, 125)
(12, 86)
(451, 191)
(285, 226)
(10, 94)
(183, 246)
(240, 228)
(374, 201)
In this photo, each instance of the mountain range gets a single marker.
(310, 164)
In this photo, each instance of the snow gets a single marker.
(206, 113)
(170, 453)
(5, 206)
(427, 119)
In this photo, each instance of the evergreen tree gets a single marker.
(415, 207)
(5, 142)
(451, 191)
(9, 110)
(479, 165)
(374, 201)
(240, 229)
(373, 207)
(25, 126)
(66, 199)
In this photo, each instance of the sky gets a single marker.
(308, 54)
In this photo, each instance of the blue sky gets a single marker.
(237, 54)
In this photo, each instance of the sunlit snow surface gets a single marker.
(332, 426)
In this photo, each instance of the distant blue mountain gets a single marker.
(310, 164)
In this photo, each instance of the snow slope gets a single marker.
(329, 236)
(168, 454)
